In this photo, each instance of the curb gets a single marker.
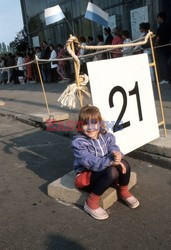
(158, 160)
(151, 152)
(22, 118)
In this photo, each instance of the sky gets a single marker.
(11, 21)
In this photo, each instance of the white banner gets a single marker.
(36, 42)
(139, 15)
(121, 88)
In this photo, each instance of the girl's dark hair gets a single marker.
(90, 114)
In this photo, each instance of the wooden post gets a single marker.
(158, 87)
(41, 81)
(77, 76)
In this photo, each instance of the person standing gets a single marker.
(20, 62)
(109, 37)
(54, 65)
(46, 66)
(29, 72)
(162, 37)
(117, 40)
(90, 42)
(82, 52)
(61, 64)
(126, 51)
(100, 42)
(146, 48)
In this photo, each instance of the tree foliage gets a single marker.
(20, 42)
(3, 48)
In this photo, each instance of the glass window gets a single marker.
(33, 24)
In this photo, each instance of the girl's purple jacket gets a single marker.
(93, 154)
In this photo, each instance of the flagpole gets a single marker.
(70, 26)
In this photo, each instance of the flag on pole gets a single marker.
(53, 15)
(94, 13)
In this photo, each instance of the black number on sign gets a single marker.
(135, 91)
(118, 125)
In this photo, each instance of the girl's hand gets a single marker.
(117, 156)
(123, 168)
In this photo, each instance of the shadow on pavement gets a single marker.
(59, 242)
(47, 155)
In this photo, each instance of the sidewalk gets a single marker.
(22, 100)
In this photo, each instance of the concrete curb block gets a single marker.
(158, 160)
(63, 189)
(160, 146)
(44, 117)
(22, 118)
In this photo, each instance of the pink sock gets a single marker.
(123, 192)
(93, 201)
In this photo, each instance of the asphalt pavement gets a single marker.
(31, 158)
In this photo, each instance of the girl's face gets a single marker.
(91, 130)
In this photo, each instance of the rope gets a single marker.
(71, 93)
(103, 50)
(16, 66)
(118, 45)
(75, 90)
(71, 40)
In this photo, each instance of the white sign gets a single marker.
(121, 88)
(112, 22)
(36, 42)
(138, 16)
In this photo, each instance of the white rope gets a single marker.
(17, 66)
(70, 94)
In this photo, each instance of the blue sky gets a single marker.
(10, 20)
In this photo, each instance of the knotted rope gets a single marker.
(75, 90)
(70, 95)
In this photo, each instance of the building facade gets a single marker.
(126, 14)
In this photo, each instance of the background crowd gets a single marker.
(60, 70)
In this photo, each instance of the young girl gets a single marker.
(99, 163)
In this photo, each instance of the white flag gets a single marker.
(53, 15)
(94, 13)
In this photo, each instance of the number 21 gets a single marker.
(134, 91)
